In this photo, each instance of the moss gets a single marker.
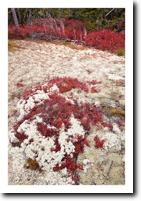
(12, 45)
(120, 52)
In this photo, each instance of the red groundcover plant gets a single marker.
(70, 29)
(52, 129)
(98, 143)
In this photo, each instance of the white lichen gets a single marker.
(116, 129)
(111, 142)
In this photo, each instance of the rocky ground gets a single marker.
(36, 61)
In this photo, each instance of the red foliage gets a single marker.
(57, 148)
(98, 143)
(106, 40)
(45, 131)
(85, 122)
(31, 140)
(21, 137)
(66, 84)
(18, 33)
(79, 145)
(74, 30)
(105, 124)
(19, 83)
(56, 111)
(93, 82)
(75, 24)
(93, 90)
(86, 141)
(121, 123)
(70, 164)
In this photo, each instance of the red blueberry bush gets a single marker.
(47, 115)
(106, 40)
(70, 29)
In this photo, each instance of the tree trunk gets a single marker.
(19, 13)
(30, 16)
(15, 17)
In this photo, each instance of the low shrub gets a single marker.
(73, 30)
(106, 40)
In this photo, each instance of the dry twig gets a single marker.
(109, 169)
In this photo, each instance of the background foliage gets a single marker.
(95, 18)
